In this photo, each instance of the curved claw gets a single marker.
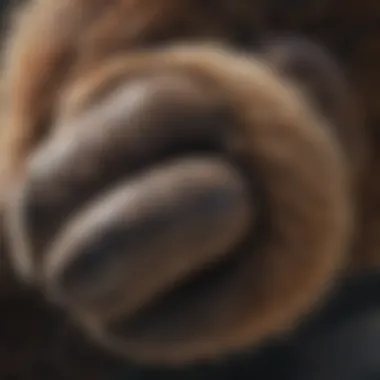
(147, 233)
(142, 122)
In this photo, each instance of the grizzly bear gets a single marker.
(185, 179)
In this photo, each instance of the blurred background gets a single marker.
(341, 342)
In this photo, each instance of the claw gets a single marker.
(151, 231)
(144, 122)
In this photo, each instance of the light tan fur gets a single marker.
(69, 65)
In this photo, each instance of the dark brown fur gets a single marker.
(301, 130)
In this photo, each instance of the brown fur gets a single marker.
(309, 164)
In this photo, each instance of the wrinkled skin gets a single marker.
(183, 182)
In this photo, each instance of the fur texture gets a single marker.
(98, 95)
